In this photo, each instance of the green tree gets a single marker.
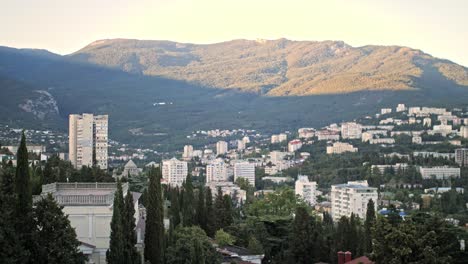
(188, 213)
(210, 217)
(223, 238)
(11, 248)
(301, 247)
(254, 246)
(201, 210)
(24, 224)
(175, 207)
(191, 245)
(115, 253)
(154, 237)
(55, 236)
(130, 253)
(368, 224)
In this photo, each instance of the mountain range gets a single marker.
(157, 92)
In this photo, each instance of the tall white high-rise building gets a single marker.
(174, 171)
(351, 130)
(216, 171)
(461, 157)
(245, 170)
(306, 189)
(188, 152)
(88, 140)
(352, 198)
(221, 147)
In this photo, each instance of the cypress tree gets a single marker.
(175, 207)
(218, 211)
(130, 239)
(115, 253)
(368, 224)
(228, 212)
(24, 224)
(188, 213)
(56, 238)
(154, 237)
(201, 212)
(300, 247)
(11, 248)
(210, 217)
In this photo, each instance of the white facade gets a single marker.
(221, 147)
(216, 171)
(294, 145)
(88, 137)
(464, 131)
(306, 189)
(427, 122)
(366, 136)
(416, 140)
(227, 188)
(188, 152)
(174, 171)
(385, 111)
(352, 198)
(327, 135)
(245, 170)
(382, 141)
(306, 132)
(89, 209)
(400, 108)
(351, 130)
(439, 173)
(340, 147)
(461, 157)
(277, 156)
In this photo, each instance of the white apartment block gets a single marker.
(396, 167)
(88, 140)
(277, 156)
(427, 154)
(385, 111)
(245, 170)
(427, 122)
(416, 140)
(279, 138)
(306, 189)
(306, 132)
(439, 173)
(352, 198)
(340, 147)
(382, 141)
(366, 136)
(246, 140)
(464, 131)
(221, 147)
(89, 209)
(227, 188)
(294, 145)
(401, 108)
(36, 149)
(327, 135)
(351, 130)
(461, 157)
(174, 172)
(216, 171)
(188, 152)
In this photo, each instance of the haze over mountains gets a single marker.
(268, 85)
(274, 67)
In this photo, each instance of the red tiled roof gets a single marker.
(363, 260)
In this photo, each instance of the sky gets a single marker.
(438, 27)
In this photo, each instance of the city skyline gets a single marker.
(66, 27)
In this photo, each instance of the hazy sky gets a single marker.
(438, 27)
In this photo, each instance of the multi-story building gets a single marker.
(130, 169)
(439, 173)
(88, 140)
(382, 141)
(427, 154)
(385, 111)
(221, 147)
(245, 170)
(216, 171)
(294, 145)
(327, 135)
(351, 130)
(306, 189)
(340, 147)
(174, 171)
(396, 167)
(464, 131)
(461, 157)
(228, 188)
(89, 209)
(366, 136)
(282, 137)
(188, 152)
(277, 156)
(401, 108)
(36, 149)
(427, 122)
(352, 198)
(416, 140)
(306, 132)
(246, 140)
